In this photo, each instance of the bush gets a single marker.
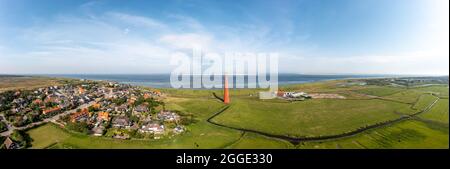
(3, 126)
(21, 137)
(81, 127)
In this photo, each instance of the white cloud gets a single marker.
(137, 20)
(86, 45)
(187, 41)
(115, 42)
(188, 22)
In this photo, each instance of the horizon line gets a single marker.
(282, 73)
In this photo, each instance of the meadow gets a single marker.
(309, 118)
(25, 82)
(438, 113)
(406, 134)
(363, 106)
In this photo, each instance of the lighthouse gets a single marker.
(226, 97)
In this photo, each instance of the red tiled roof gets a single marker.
(50, 110)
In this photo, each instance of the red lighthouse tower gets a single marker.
(226, 97)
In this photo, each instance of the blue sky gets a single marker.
(311, 36)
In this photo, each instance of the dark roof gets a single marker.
(121, 121)
(141, 108)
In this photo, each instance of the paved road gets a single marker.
(53, 119)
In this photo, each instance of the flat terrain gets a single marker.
(255, 141)
(25, 82)
(50, 135)
(438, 113)
(406, 134)
(363, 106)
(310, 118)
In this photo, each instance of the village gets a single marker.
(94, 108)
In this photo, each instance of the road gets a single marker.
(52, 119)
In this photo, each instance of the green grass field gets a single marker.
(406, 134)
(310, 118)
(16, 83)
(424, 101)
(255, 141)
(407, 96)
(440, 90)
(380, 90)
(50, 135)
(438, 113)
(316, 117)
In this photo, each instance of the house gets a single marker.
(178, 129)
(280, 93)
(121, 122)
(154, 128)
(295, 94)
(64, 104)
(10, 144)
(96, 106)
(121, 136)
(81, 90)
(146, 95)
(103, 116)
(19, 101)
(141, 108)
(98, 131)
(122, 108)
(78, 116)
(168, 116)
(132, 100)
(51, 98)
(51, 110)
(37, 102)
(157, 92)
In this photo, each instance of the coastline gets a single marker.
(162, 81)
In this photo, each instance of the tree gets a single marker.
(3, 126)
(134, 119)
(21, 137)
(81, 127)
(135, 134)
(187, 119)
(65, 118)
(92, 109)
